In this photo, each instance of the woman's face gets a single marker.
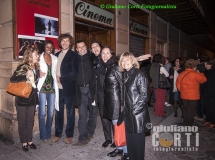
(208, 66)
(35, 57)
(48, 48)
(127, 63)
(177, 64)
(106, 55)
(96, 49)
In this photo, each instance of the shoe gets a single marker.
(176, 115)
(116, 152)
(106, 143)
(89, 138)
(211, 126)
(55, 139)
(167, 104)
(80, 143)
(25, 148)
(45, 141)
(113, 145)
(125, 157)
(32, 146)
(68, 140)
(206, 124)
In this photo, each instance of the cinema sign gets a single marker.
(92, 13)
(139, 29)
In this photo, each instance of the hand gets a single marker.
(42, 74)
(176, 68)
(29, 73)
(143, 57)
(171, 77)
(58, 79)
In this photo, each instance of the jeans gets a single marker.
(45, 126)
(86, 127)
(59, 116)
(124, 148)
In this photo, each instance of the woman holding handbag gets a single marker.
(136, 96)
(48, 91)
(160, 93)
(27, 70)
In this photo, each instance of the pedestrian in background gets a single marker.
(188, 83)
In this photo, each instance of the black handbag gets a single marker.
(163, 82)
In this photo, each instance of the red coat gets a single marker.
(188, 84)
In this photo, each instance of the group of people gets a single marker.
(86, 79)
(192, 87)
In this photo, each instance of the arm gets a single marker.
(163, 70)
(143, 57)
(200, 77)
(73, 74)
(142, 86)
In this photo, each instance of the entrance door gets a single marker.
(88, 33)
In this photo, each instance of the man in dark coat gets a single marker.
(86, 86)
(67, 73)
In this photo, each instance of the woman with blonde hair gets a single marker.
(136, 96)
(27, 70)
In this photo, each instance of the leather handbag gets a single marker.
(21, 89)
(119, 135)
(163, 82)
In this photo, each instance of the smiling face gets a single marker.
(106, 55)
(96, 49)
(177, 64)
(65, 44)
(48, 48)
(127, 63)
(81, 48)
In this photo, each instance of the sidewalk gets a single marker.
(94, 151)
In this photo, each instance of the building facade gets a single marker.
(138, 30)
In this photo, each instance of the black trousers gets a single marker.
(189, 109)
(209, 104)
(136, 145)
(25, 118)
(106, 123)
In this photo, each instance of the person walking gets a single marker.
(48, 91)
(188, 83)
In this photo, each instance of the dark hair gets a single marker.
(63, 36)
(80, 41)
(158, 58)
(111, 50)
(203, 58)
(181, 62)
(95, 41)
(191, 63)
(50, 42)
(211, 62)
(39, 45)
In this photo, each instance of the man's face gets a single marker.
(65, 43)
(81, 48)
(96, 49)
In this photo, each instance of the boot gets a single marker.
(125, 157)
(176, 109)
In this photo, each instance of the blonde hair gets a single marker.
(28, 57)
(130, 55)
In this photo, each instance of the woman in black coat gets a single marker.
(136, 96)
(209, 94)
(112, 94)
(174, 94)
